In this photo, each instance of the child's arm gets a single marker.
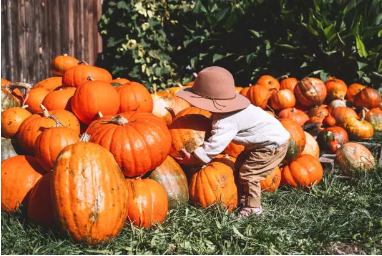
(188, 159)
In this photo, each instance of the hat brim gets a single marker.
(216, 106)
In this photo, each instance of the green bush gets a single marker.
(162, 43)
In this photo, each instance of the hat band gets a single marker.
(214, 100)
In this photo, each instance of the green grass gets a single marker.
(339, 215)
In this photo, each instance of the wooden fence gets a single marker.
(33, 32)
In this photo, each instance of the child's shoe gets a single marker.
(246, 212)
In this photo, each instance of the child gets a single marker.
(236, 119)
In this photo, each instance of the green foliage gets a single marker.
(161, 43)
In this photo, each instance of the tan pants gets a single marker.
(257, 165)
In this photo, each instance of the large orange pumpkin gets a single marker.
(134, 97)
(18, 176)
(89, 193)
(148, 203)
(167, 107)
(305, 171)
(297, 139)
(61, 63)
(311, 146)
(139, 142)
(214, 183)
(93, 97)
(68, 119)
(272, 181)
(79, 74)
(50, 83)
(259, 95)
(353, 89)
(35, 98)
(59, 99)
(11, 119)
(50, 143)
(295, 114)
(368, 98)
(288, 83)
(331, 138)
(336, 89)
(283, 99)
(358, 128)
(310, 92)
(341, 113)
(269, 81)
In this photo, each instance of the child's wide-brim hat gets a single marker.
(214, 90)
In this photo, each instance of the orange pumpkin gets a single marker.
(50, 143)
(61, 63)
(174, 90)
(353, 89)
(50, 83)
(310, 92)
(134, 97)
(329, 121)
(18, 176)
(119, 81)
(341, 113)
(160, 94)
(311, 146)
(272, 181)
(358, 128)
(167, 107)
(318, 114)
(283, 99)
(245, 90)
(59, 99)
(89, 193)
(374, 116)
(259, 95)
(214, 183)
(40, 208)
(11, 119)
(288, 83)
(35, 98)
(368, 98)
(306, 171)
(79, 74)
(297, 139)
(193, 111)
(269, 81)
(4, 82)
(336, 89)
(294, 114)
(331, 138)
(93, 97)
(148, 203)
(233, 149)
(139, 142)
(67, 119)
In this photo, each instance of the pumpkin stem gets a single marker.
(171, 111)
(119, 120)
(363, 112)
(284, 76)
(18, 85)
(65, 54)
(82, 62)
(25, 106)
(89, 78)
(195, 75)
(46, 113)
(85, 137)
(179, 85)
(99, 114)
(293, 109)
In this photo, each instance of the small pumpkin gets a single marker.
(306, 171)
(358, 129)
(259, 95)
(311, 146)
(148, 203)
(11, 119)
(268, 81)
(321, 112)
(368, 98)
(245, 90)
(353, 157)
(35, 97)
(193, 111)
(93, 97)
(119, 81)
(283, 99)
(59, 99)
(288, 83)
(79, 74)
(329, 121)
(50, 83)
(353, 89)
(374, 116)
(331, 138)
(294, 114)
(272, 181)
(18, 176)
(134, 97)
(61, 63)
(310, 92)
(297, 139)
(336, 89)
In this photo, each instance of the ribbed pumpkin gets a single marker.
(283, 99)
(89, 193)
(310, 92)
(259, 95)
(353, 157)
(269, 81)
(305, 171)
(40, 208)
(11, 119)
(134, 97)
(50, 83)
(167, 107)
(148, 203)
(233, 149)
(93, 97)
(341, 113)
(174, 181)
(288, 83)
(353, 89)
(297, 139)
(311, 146)
(34, 125)
(77, 75)
(119, 81)
(50, 143)
(18, 176)
(7, 149)
(368, 98)
(358, 128)
(336, 89)
(193, 111)
(35, 97)
(272, 181)
(11, 95)
(294, 114)
(139, 142)
(374, 116)
(214, 183)
(329, 121)
(59, 99)
(331, 138)
(61, 63)
(245, 90)
(188, 132)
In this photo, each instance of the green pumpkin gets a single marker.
(9, 100)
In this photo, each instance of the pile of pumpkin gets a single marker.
(85, 153)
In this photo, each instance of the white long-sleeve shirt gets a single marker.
(251, 127)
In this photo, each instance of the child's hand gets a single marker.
(184, 160)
